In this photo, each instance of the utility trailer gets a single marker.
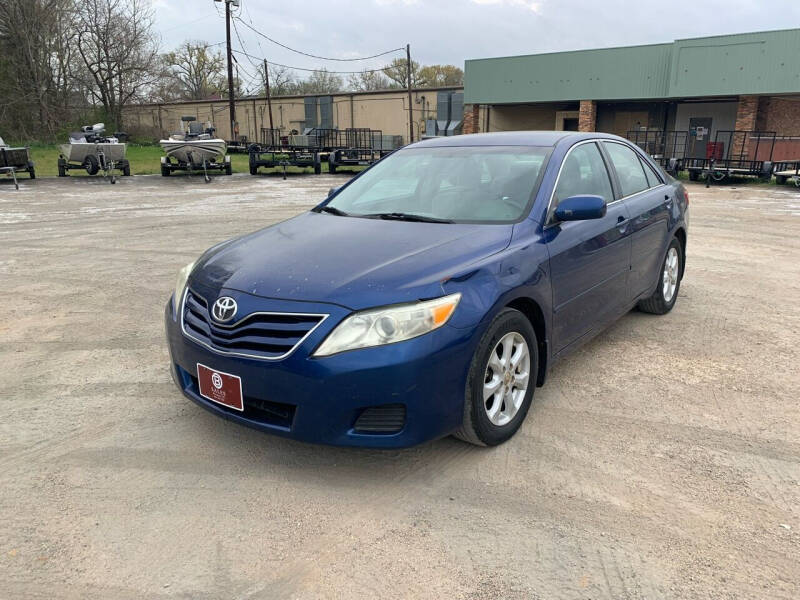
(301, 151)
(90, 149)
(668, 148)
(360, 147)
(735, 152)
(15, 160)
(787, 171)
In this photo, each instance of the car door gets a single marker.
(589, 260)
(648, 202)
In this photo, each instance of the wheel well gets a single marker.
(680, 233)
(533, 312)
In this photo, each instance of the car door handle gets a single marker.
(668, 200)
(622, 223)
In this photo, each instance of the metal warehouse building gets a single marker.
(745, 82)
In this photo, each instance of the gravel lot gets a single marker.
(660, 461)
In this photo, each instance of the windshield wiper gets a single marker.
(334, 211)
(401, 216)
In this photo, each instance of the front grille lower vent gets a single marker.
(258, 335)
(389, 418)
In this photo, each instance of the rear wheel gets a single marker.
(501, 381)
(62, 168)
(126, 170)
(164, 170)
(663, 299)
(694, 175)
(228, 166)
(32, 172)
(91, 165)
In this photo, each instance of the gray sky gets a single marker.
(450, 31)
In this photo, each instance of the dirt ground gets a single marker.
(660, 461)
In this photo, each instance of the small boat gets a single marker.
(194, 147)
(15, 160)
(92, 150)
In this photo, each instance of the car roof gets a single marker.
(510, 138)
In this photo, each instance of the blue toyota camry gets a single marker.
(430, 294)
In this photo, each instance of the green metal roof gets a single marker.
(747, 63)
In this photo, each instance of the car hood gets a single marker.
(353, 262)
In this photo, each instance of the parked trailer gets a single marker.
(360, 148)
(290, 151)
(91, 150)
(668, 148)
(735, 152)
(787, 171)
(15, 160)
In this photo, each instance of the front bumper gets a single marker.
(319, 400)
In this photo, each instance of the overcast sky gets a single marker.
(450, 31)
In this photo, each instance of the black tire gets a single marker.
(476, 428)
(165, 171)
(228, 168)
(253, 170)
(780, 179)
(657, 304)
(91, 165)
(32, 172)
(126, 170)
(694, 175)
(62, 168)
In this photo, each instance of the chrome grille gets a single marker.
(266, 335)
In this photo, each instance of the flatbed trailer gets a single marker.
(787, 171)
(357, 148)
(742, 153)
(277, 151)
(15, 160)
(668, 148)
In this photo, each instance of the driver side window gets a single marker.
(583, 173)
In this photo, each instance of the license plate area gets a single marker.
(220, 387)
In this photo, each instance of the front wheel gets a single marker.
(501, 381)
(663, 299)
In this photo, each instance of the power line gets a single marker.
(380, 70)
(314, 55)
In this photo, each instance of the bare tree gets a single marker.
(37, 87)
(397, 71)
(198, 70)
(282, 81)
(119, 51)
(368, 81)
(321, 81)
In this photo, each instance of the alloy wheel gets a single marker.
(506, 378)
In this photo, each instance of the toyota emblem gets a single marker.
(224, 309)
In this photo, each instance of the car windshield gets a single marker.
(459, 184)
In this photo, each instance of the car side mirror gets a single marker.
(581, 208)
(333, 190)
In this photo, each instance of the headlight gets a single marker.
(388, 325)
(180, 285)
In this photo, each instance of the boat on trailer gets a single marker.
(92, 150)
(15, 160)
(194, 148)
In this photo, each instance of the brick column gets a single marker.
(747, 113)
(471, 119)
(746, 118)
(587, 115)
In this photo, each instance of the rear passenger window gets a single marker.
(583, 173)
(629, 169)
(652, 179)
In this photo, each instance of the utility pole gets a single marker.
(410, 106)
(269, 96)
(231, 99)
